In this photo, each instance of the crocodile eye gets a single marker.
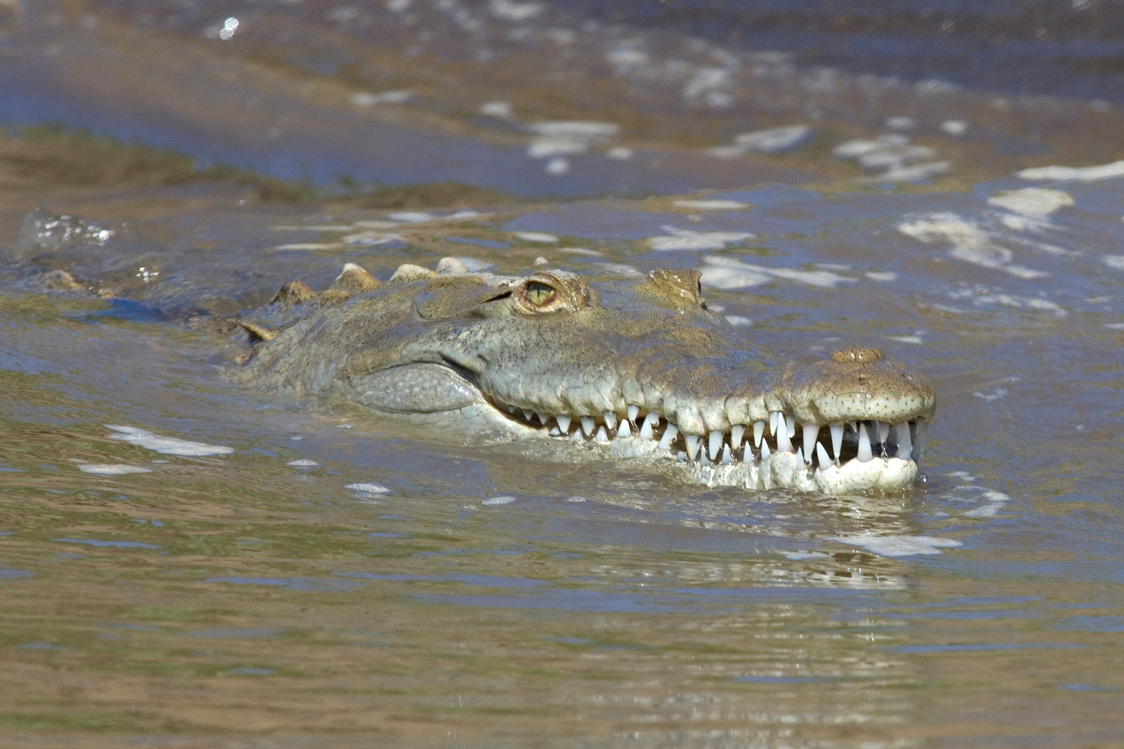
(539, 294)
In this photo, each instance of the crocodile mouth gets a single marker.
(818, 447)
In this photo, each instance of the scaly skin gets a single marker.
(539, 353)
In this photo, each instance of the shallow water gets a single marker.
(187, 563)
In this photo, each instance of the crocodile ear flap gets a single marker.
(682, 285)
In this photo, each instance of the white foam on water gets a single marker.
(367, 488)
(898, 546)
(166, 445)
(412, 217)
(774, 140)
(1074, 174)
(556, 167)
(881, 275)
(501, 500)
(514, 11)
(305, 247)
(537, 236)
(711, 205)
(588, 130)
(111, 469)
(954, 127)
(900, 123)
(1114, 261)
(303, 463)
(728, 273)
(544, 148)
(501, 110)
(620, 153)
(713, 85)
(893, 156)
(970, 242)
(576, 499)
(367, 99)
(740, 320)
(1032, 201)
(686, 239)
(912, 339)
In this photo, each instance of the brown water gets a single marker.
(397, 592)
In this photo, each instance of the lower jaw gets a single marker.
(788, 470)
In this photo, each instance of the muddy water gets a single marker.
(186, 563)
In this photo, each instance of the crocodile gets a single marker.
(638, 366)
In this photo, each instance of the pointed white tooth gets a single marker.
(790, 425)
(715, 441)
(919, 442)
(543, 418)
(854, 427)
(865, 455)
(821, 456)
(578, 436)
(554, 432)
(800, 455)
(528, 414)
(765, 452)
(610, 420)
(747, 453)
(692, 445)
(624, 430)
(811, 434)
(669, 436)
(646, 428)
(882, 429)
(774, 420)
(601, 435)
(633, 412)
(784, 444)
(587, 425)
(905, 444)
(737, 434)
(836, 440)
(563, 423)
(758, 432)
(727, 459)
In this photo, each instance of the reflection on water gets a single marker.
(185, 562)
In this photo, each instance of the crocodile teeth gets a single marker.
(669, 436)
(882, 428)
(715, 440)
(811, 433)
(790, 424)
(633, 412)
(737, 434)
(822, 457)
(758, 432)
(836, 440)
(563, 424)
(919, 443)
(774, 419)
(587, 425)
(692, 446)
(624, 430)
(610, 419)
(784, 444)
(528, 414)
(543, 418)
(602, 435)
(650, 421)
(726, 457)
(905, 446)
(865, 455)
(765, 452)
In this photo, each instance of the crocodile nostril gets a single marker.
(856, 354)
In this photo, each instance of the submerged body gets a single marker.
(639, 365)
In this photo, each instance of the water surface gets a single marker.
(184, 562)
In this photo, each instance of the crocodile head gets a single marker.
(640, 365)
